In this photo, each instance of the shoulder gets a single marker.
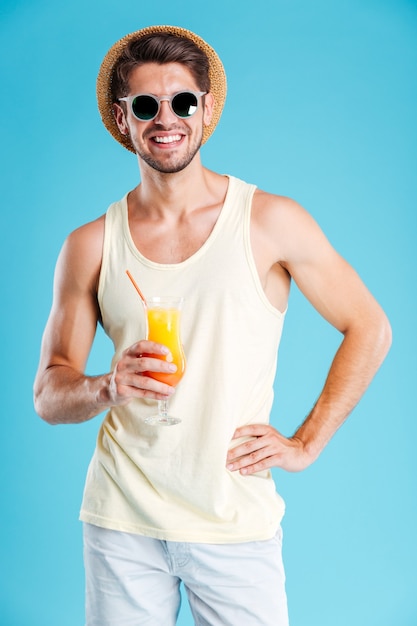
(90, 234)
(85, 244)
(284, 226)
(270, 209)
(81, 255)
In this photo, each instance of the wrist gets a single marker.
(312, 438)
(103, 393)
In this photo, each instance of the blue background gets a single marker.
(336, 130)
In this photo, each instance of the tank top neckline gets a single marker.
(224, 211)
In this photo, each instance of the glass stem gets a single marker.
(163, 408)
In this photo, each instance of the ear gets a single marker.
(120, 117)
(208, 108)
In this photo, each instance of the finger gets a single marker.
(251, 430)
(256, 436)
(152, 395)
(260, 466)
(243, 449)
(251, 456)
(147, 347)
(131, 393)
(131, 385)
(139, 363)
(146, 383)
(150, 364)
(255, 461)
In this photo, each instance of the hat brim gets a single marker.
(104, 97)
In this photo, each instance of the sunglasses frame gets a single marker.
(159, 99)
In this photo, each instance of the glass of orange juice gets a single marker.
(163, 319)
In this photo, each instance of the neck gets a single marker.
(180, 192)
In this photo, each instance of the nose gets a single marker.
(165, 114)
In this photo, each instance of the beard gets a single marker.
(170, 164)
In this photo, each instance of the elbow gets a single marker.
(379, 333)
(385, 333)
(372, 331)
(41, 405)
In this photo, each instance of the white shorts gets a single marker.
(133, 580)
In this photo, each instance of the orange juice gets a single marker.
(164, 327)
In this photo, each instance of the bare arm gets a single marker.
(338, 294)
(62, 392)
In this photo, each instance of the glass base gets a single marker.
(162, 420)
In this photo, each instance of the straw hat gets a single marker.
(104, 98)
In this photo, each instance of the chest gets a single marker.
(173, 240)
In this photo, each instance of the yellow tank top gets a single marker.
(171, 483)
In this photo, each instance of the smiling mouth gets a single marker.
(167, 139)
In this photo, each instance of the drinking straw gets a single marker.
(136, 287)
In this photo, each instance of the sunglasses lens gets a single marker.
(184, 104)
(144, 107)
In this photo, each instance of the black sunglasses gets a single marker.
(145, 107)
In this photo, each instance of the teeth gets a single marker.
(169, 139)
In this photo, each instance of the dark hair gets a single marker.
(160, 48)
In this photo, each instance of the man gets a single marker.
(196, 502)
